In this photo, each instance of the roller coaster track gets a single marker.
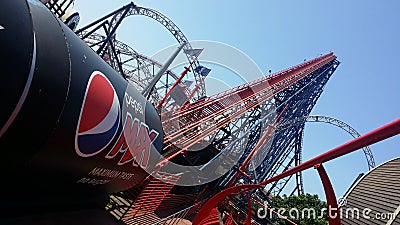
(201, 119)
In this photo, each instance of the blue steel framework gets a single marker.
(299, 99)
(285, 150)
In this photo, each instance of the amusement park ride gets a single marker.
(89, 110)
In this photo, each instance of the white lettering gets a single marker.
(366, 213)
(322, 213)
(260, 212)
(126, 176)
(281, 211)
(332, 212)
(294, 216)
(355, 213)
(135, 105)
(101, 172)
(92, 181)
(310, 212)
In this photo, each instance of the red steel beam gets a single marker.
(249, 211)
(334, 219)
(261, 143)
(187, 69)
(381, 133)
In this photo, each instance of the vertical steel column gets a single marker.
(249, 211)
(334, 219)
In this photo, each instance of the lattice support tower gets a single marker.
(101, 36)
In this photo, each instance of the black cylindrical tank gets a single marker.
(70, 125)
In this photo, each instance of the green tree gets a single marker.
(305, 209)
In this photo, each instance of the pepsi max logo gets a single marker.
(99, 117)
(134, 144)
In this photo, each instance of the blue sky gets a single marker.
(363, 92)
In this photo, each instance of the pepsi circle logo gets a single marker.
(99, 117)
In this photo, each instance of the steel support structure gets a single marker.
(335, 122)
(137, 68)
(202, 119)
(110, 23)
(293, 91)
(59, 8)
(285, 150)
(299, 188)
(301, 98)
(377, 135)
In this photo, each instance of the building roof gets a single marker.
(375, 198)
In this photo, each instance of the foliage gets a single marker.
(300, 209)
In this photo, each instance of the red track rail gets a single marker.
(203, 118)
(152, 196)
